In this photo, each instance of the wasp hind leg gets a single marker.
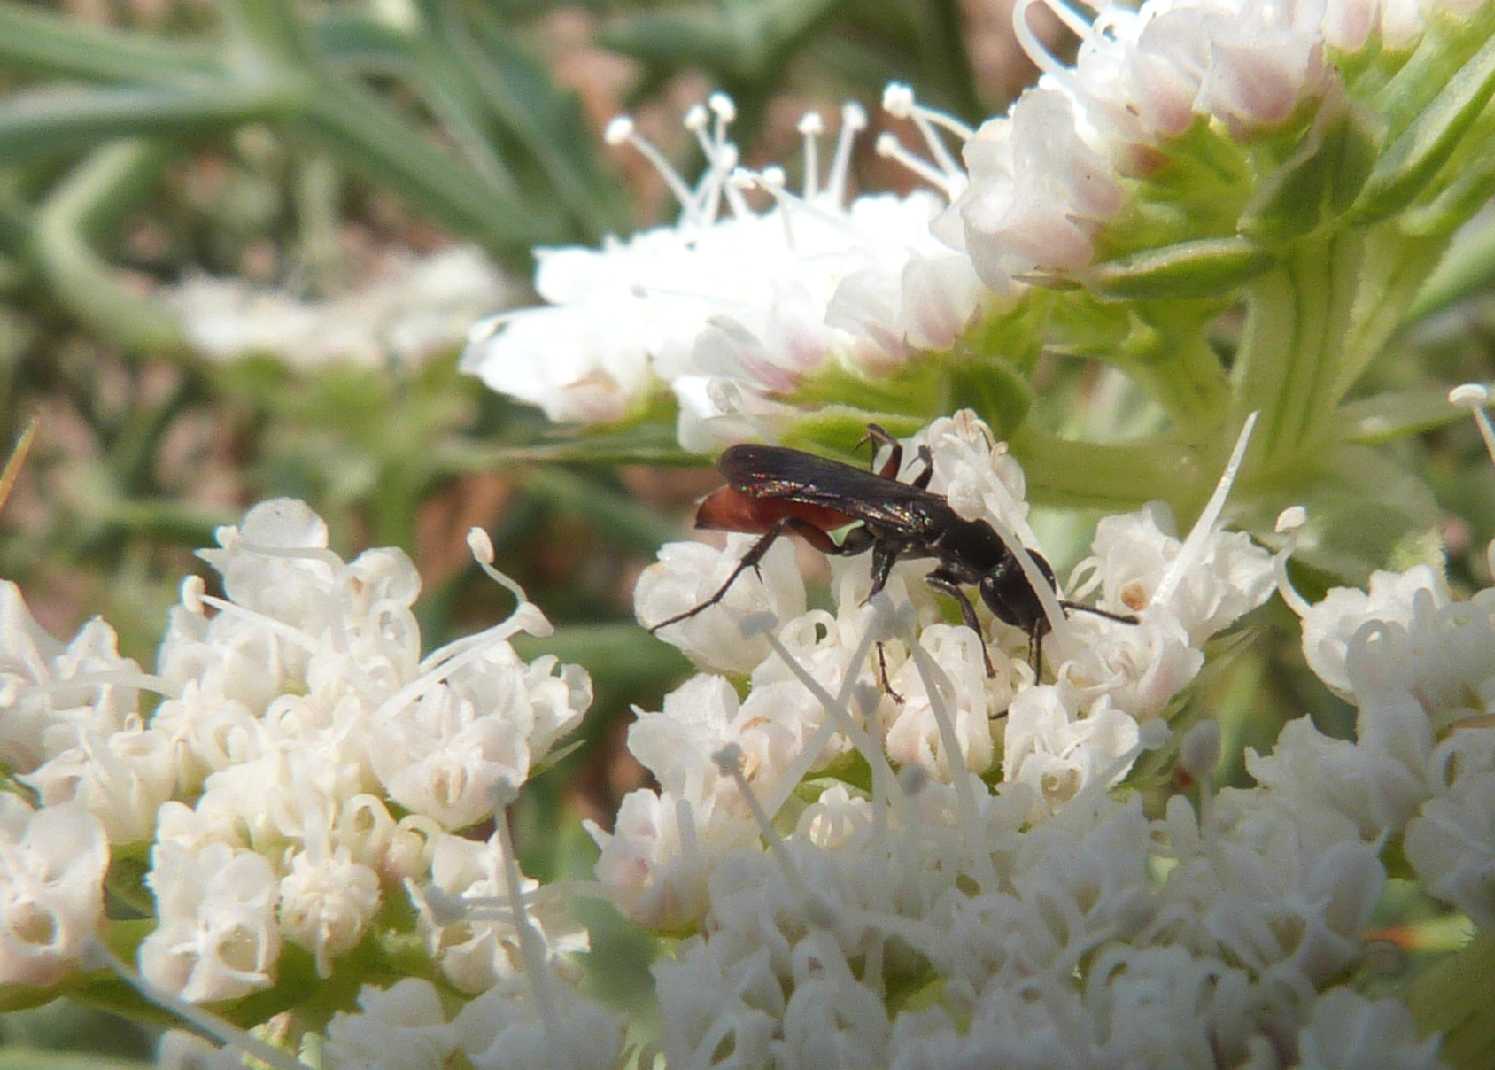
(943, 583)
(751, 560)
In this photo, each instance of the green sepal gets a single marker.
(1189, 269)
(1452, 997)
(1414, 157)
(1319, 181)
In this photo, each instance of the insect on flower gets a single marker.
(775, 490)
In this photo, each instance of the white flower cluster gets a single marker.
(304, 766)
(412, 308)
(870, 880)
(1420, 669)
(732, 306)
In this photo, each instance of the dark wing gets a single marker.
(793, 475)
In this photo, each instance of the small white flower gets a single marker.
(1131, 555)
(1332, 622)
(688, 573)
(217, 937)
(655, 862)
(912, 733)
(506, 1029)
(326, 903)
(122, 778)
(720, 1010)
(52, 864)
(1451, 845)
(51, 692)
(1347, 1029)
(478, 950)
(401, 1027)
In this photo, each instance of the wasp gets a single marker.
(774, 491)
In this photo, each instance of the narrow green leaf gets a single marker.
(1318, 181)
(1413, 158)
(38, 41)
(51, 121)
(1189, 269)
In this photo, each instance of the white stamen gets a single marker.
(1474, 397)
(481, 545)
(889, 147)
(721, 105)
(536, 971)
(193, 588)
(116, 678)
(882, 616)
(226, 1034)
(811, 126)
(937, 684)
(1289, 523)
(696, 118)
(839, 715)
(621, 130)
(728, 761)
(279, 627)
(853, 122)
(1193, 547)
(899, 101)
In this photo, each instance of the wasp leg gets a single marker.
(879, 438)
(751, 559)
(883, 560)
(882, 674)
(943, 583)
(922, 479)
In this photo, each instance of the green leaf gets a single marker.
(1452, 997)
(53, 120)
(643, 443)
(1411, 161)
(1189, 269)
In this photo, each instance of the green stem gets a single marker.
(87, 200)
(1116, 477)
(1176, 365)
(1295, 344)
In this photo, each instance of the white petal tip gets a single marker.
(1469, 396)
(1291, 519)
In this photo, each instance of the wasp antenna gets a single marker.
(1119, 618)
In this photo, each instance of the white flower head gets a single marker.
(734, 305)
(414, 306)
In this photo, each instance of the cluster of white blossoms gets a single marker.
(733, 306)
(742, 301)
(857, 897)
(412, 308)
(305, 775)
